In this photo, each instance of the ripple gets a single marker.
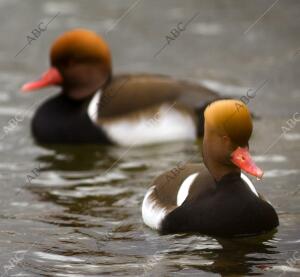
(4, 97)
(55, 179)
(292, 136)
(13, 166)
(12, 111)
(225, 88)
(133, 166)
(52, 8)
(176, 13)
(270, 158)
(55, 257)
(206, 29)
(82, 192)
(285, 268)
(74, 191)
(280, 172)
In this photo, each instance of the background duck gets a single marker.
(213, 198)
(96, 107)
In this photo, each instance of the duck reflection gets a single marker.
(242, 256)
(75, 157)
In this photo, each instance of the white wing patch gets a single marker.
(184, 189)
(93, 106)
(249, 183)
(168, 124)
(152, 213)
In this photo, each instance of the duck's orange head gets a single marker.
(228, 128)
(80, 63)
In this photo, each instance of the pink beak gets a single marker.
(50, 77)
(242, 159)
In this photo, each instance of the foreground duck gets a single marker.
(96, 107)
(213, 198)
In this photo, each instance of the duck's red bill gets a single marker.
(241, 158)
(49, 78)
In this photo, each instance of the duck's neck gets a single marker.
(219, 170)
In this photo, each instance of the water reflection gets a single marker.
(101, 211)
(245, 256)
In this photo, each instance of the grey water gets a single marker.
(76, 211)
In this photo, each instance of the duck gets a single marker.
(216, 197)
(95, 106)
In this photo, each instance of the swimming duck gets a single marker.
(213, 198)
(96, 107)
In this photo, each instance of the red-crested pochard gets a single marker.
(213, 198)
(96, 107)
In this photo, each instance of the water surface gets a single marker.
(75, 211)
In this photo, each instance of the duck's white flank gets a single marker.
(93, 106)
(168, 124)
(249, 183)
(152, 213)
(184, 189)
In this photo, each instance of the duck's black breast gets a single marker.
(231, 209)
(62, 120)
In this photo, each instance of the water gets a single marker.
(75, 211)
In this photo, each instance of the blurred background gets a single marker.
(75, 211)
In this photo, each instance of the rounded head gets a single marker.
(227, 130)
(232, 118)
(80, 63)
(79, 45)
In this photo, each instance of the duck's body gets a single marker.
(130, 109)
(194, 202)
(95, 106)
(213, 198)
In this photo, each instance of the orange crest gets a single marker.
(80, 44)
(231, 117)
